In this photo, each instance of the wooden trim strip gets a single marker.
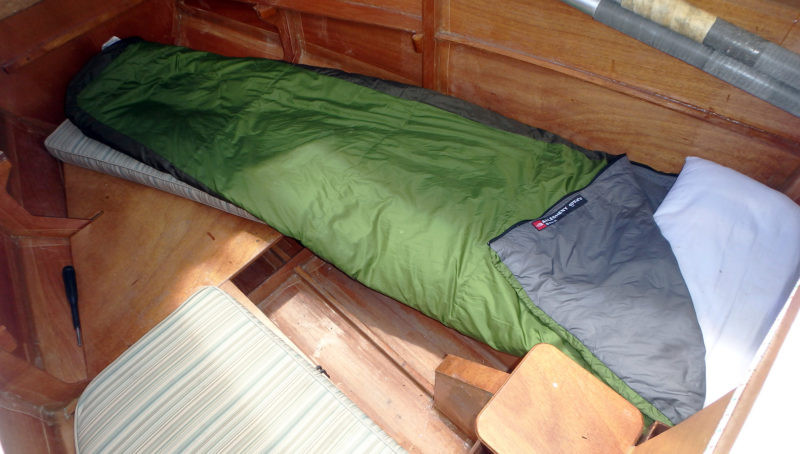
(429, 67)
(353, 12)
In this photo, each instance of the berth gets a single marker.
(632, 314)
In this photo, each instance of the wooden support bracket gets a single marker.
(462, 388)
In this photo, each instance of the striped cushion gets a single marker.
(212, 378)
(67, 143)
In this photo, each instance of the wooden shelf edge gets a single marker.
(353, 12)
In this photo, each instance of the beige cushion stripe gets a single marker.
(68, 144)
(212, 378)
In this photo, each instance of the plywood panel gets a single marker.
(554, 32)
(600, 118)
(145, 254)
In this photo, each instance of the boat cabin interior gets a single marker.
(138, 252)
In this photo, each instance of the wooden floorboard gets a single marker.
(379, 352)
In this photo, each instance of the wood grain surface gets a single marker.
(145, 254)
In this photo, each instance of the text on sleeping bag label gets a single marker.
(563, 210)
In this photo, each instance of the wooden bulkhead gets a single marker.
(140, 252)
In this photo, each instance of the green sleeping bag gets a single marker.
(399, 195)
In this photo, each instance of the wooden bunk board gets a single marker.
(145, 252)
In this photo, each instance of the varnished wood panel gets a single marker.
(792, 38)
(463, 388)
(8, 342)
(145, 254)
(243, 12)
(571, 107)
(359, 48)
(267, 265)
(557, 33)
(17, 221)
(35, 180)
(56, 24)
(37, 250)
(226, 30)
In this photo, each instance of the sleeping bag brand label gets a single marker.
(565, 209)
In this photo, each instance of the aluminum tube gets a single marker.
(755, 51)
(587, 6)
(713, 62)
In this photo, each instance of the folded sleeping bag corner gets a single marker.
(597, 264)
(405, 196)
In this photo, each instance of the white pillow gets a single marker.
(737, 243)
